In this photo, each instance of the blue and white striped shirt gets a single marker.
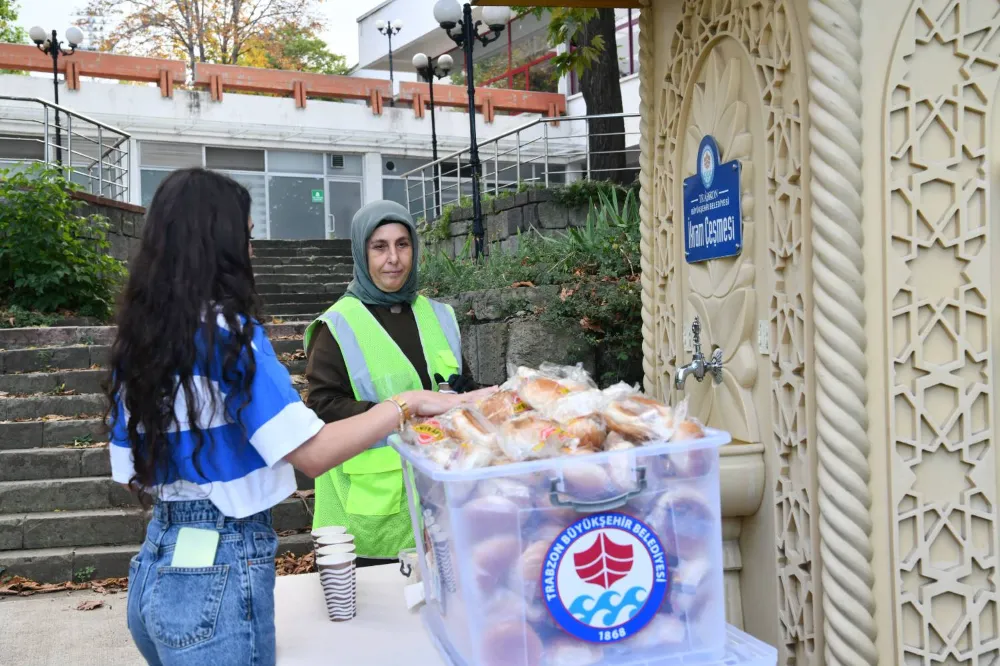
(240, 477)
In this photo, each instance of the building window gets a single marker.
(295, 194)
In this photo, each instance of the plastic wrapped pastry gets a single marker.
(532, 437)
(502, 406)
(567, 652)
(680, 516)
(690, 586)
(510, 643)
(493, 560)
(662, 631)
(485, 516)
(511, 489)
(589, 431)
(641, 419)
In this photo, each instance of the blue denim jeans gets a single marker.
(209, 616)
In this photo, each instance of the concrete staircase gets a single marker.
(61, 515)
(299, 280)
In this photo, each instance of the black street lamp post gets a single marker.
(457, 22)
(390, 29)
(50, 45)
(429, 69)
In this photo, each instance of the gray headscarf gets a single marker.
(364, 224)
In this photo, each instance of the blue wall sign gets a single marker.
(713, 223)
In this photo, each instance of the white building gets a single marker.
(310, 169)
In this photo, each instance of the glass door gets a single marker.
(297, 208)
(345, 198)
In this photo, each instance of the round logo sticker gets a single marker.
(605, 577)
(707, 165)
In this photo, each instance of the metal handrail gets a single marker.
(545, 157)
(518, 130)
(112, 158)
(63, 109)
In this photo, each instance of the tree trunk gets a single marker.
(603, 94)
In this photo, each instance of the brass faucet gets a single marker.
(698, 365)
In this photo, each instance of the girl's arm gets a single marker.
(340, 441)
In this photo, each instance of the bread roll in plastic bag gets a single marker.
(531, 437)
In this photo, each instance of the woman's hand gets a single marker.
(432, 403)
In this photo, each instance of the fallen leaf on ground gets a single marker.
(290, 564)
(25, 587)
(90, 605)
(566, 293)
(523, 284)
(304, 494)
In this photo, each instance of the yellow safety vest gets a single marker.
(366, 493)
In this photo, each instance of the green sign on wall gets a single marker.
(317, 196)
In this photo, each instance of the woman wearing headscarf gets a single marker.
(379, 339)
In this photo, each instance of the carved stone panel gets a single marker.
(768, 33)
(941, 139)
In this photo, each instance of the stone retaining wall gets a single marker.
(501, 328)
(505, 218)
(125, 220)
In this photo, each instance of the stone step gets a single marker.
(112, 527)
(90, 492)
(339, 265)
(53, 463)
(304, 251)
(50, 434)
(44, 367)
(310, 287)
(56, 565)
(267, 279)
(101, 336)
(48, 358)
(306, 242)
(300, 269)
(80, 381)
(38, 407)
(297, 311)
(272, 301)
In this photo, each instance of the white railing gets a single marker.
(93, 154)
(530, 155)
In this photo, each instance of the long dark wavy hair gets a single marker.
(192, 267)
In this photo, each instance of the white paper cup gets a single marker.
(339, 581)
(335, 549)
(326, 531)
(332, 540)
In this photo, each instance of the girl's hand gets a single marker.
(432, 403)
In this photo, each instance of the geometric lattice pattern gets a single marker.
(941, 136)
(767, 29)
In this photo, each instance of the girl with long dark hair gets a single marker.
(205, 421)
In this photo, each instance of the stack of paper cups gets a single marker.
(323, 542)
(337, 574)
(321, 532)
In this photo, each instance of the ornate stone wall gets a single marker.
(769, 282)
(940, 252)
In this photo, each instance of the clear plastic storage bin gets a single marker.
(607, 558)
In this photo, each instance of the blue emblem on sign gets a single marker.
(605, 577)
(713, 220)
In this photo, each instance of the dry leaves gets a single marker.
(290, 564)
(523, 284)
(588, 325)
(566, 293)
(18, 586)
(90, 605)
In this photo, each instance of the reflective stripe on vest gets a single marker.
(354, 359)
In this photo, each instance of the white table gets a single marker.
(384, 632)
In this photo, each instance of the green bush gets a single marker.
(51, 258)
(597, 265)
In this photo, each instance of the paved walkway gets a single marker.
(46, 629)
